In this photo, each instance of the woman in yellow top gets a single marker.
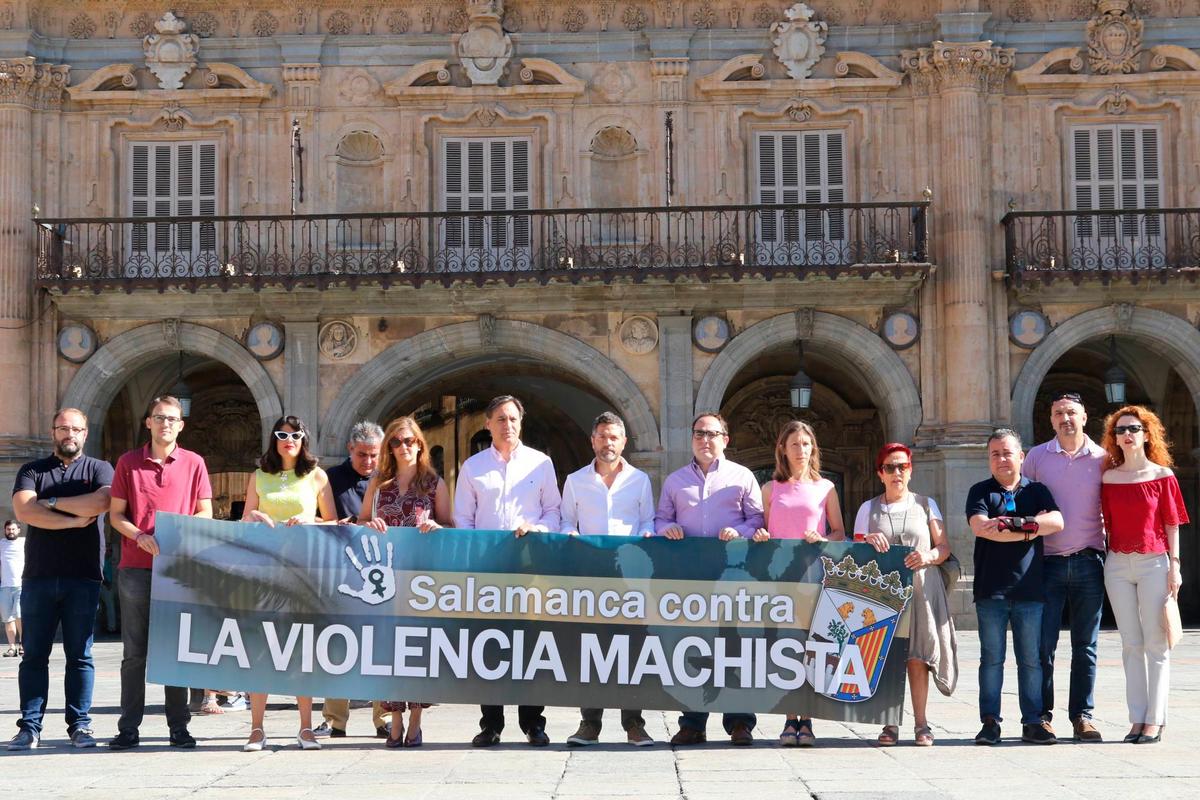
(288, 487)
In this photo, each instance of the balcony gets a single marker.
(700, 242)
(1160, 243)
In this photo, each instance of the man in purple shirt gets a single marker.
(1071, 465)
(710, 497)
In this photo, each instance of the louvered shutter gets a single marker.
(1117, 167)
(806, 168)
(487, 174)
(139, 186)
(173, 179)
(452, 183)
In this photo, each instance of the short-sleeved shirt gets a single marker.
(147, 486)
(348, 489)
(71, 552)
(1009, 570)
(1074, 480)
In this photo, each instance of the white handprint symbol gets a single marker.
(379, 579)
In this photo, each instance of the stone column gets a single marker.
(678, 390)
(26, 86)
(302, 381)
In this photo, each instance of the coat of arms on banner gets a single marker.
(858, 606)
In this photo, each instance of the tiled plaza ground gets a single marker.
(845, 764)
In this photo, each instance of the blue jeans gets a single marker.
(994, 618)
(46, 602)
(698, 720)
(1076, 582)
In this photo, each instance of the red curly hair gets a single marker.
(1158, 449)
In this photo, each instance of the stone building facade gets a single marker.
(688, 202)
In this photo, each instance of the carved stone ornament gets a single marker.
(638, 335)
(485, 48)
(337, 339)
(171, 53)
(958, 65)
(799, 42)
(1114, 38)
(612, 83)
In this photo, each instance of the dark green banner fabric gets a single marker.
(461, 616)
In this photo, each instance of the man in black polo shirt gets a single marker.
(348, 480)
(59, 498)
(1009, 515)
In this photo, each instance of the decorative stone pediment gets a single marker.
(744, 76)
(485, 48)
(539, 78)
(1114, 38)
(799, 42)
(171, 53)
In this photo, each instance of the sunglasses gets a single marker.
(295, 436)
(1010, 503)
(892, 469)
(699, 434)
(407, 441)
(1072, 396)
(1120, 429)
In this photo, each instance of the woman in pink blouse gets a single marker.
(1143, 509)
(799, 504)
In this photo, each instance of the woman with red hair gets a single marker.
(1143, 509)
(900, 517)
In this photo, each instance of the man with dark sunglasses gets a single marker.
(1071, 465)
(1009, 515)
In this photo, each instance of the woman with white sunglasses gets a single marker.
(289, 488)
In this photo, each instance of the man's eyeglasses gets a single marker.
(698, 434)
(68, 429)
(407, 441)
(295, 436)
(1010, 503)
(1120, 429)
(163, 419)
(892, 469)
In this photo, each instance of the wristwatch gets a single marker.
(52, 502)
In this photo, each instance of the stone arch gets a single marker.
(883, 375)
(1165, 334)
(94, 387)
(427, 356)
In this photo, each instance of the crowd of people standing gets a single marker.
(1053, 530)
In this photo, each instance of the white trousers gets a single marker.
(1137, 590)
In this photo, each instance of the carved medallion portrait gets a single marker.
(1027, 328)
(901, 330)
(711, 333)
(337, 339)
(638, 335)
(264, 341)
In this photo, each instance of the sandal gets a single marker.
(10, 652)
(805, 736)
(889, 736)
(413, 741)
(790, 737)
(923, 736)
(211, 706)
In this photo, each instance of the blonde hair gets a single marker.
(427, 477)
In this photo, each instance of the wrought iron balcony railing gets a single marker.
(447, 247)
(1104, 245)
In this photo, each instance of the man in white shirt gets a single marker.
(608, 497)
(12, 564)
(508, 487)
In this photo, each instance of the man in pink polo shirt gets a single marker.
(1071, 464)
(159, 476)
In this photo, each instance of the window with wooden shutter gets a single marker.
(481, 175)
(173, 179)
(807, 168)
(1116, 167)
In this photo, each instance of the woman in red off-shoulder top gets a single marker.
(1143, 509)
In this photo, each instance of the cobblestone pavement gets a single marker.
(844, 765)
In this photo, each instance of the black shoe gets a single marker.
(125, 740)
(537, 737)
(384, 731)
(182, 739)
(485, 738)
(1144, 739)
(989, 733)
(1038, 733)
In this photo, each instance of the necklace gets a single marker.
(892, 521)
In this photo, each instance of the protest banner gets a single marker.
(460, 616)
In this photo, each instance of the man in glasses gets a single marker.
(608, 497)
(1071, 465)
(509, 487)
(1009, 515)
(158, 476)
(59, 498)
(348, 480)
(711, 498)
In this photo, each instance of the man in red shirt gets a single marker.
(159, 476)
